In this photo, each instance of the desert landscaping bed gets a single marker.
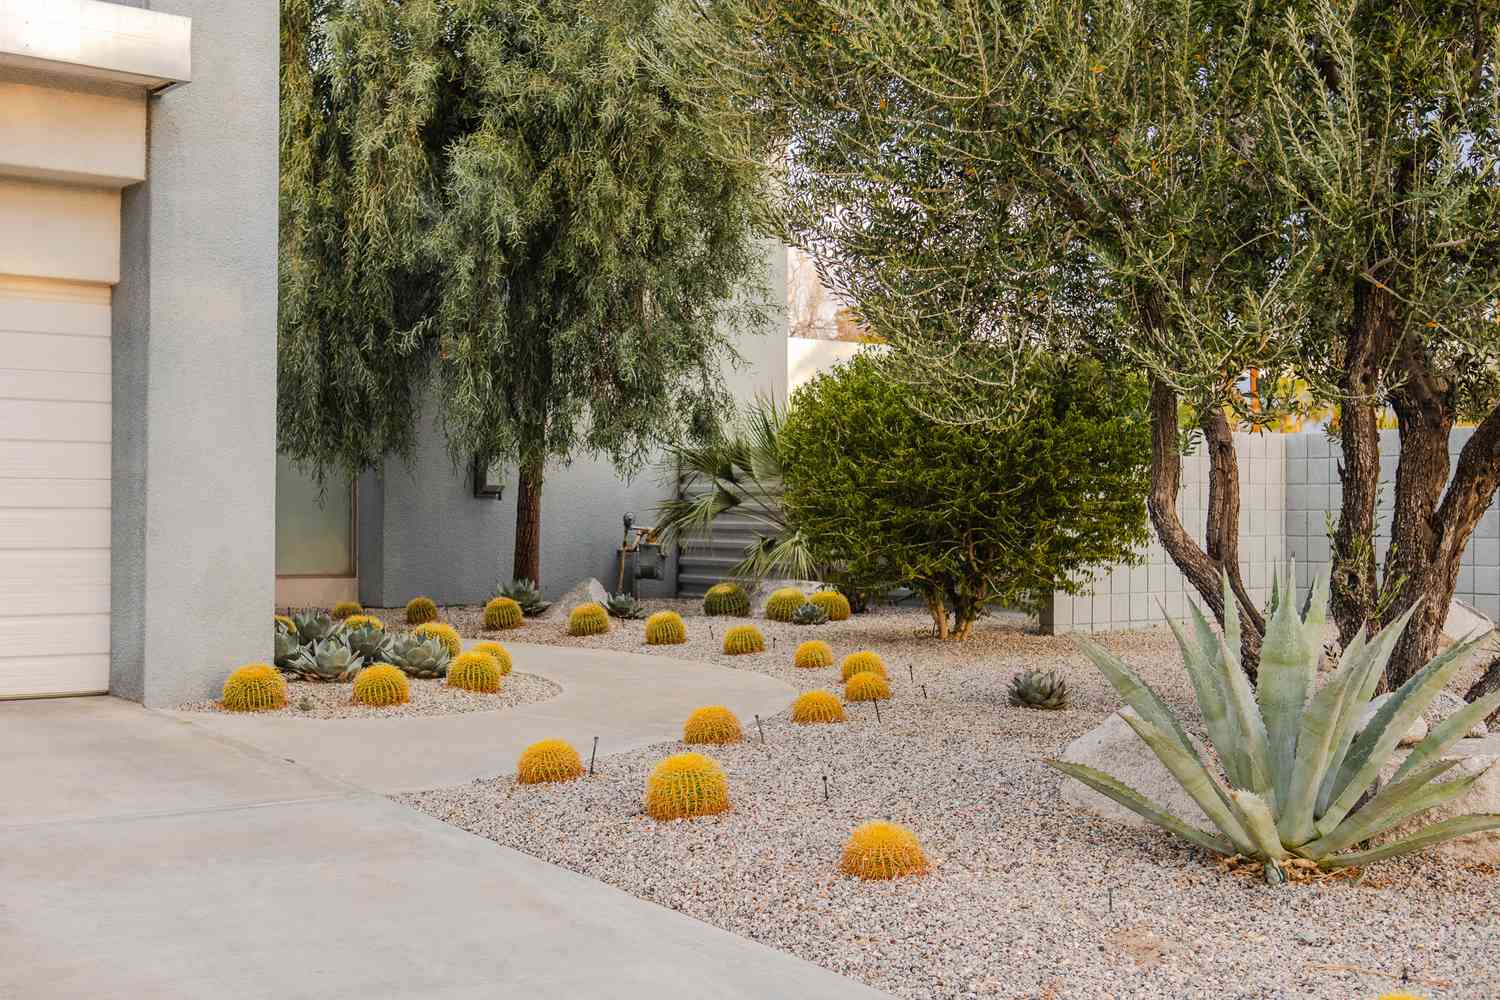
(311, 700)
(1028, 896)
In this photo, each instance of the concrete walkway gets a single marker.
(143, 854)
(626, 699)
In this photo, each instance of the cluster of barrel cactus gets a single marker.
(255, 687)
(420, 610)
(833, 603)
(665, 628)
(783, 604)
(588, 619)
(813, 655)
(712, 724)
(547, 761)
(443, 633)
(863, 662)
(475, 672)
(381, 686)
(503, 613)
(726, 599)
(867, 686)
(686, 785)
(343, 609)
(744, 639)
(817, 706)
(499, 653)
(881, 850)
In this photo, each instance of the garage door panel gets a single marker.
(53, 460)
(68, 386)
(54, 635)
(53, 420)
(65, 582)
(51, 676)
(55, 493)
(81, 310)
(45, 352)
(27, 528)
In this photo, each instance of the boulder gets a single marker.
(1464, 621)
(1477, 757)
(759, 595)
(1114, 748)
(582, 593)
(1416, 734)
(1446, 704)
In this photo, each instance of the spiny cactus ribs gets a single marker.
(665, 628)
(783, 604)
(500, 654)
(381, 686)
(817, 706)
(743, 639)
(503, 613)
(712, 724)
(813, 655)
(1035, 689)
(880, 850)
(726, 599)
(686, 785)
(443, 633)
(548, 760)
(588, 619)
(833, 603)
(363, 621)
(420, 610)
(285, 624)
(863, 662)
(475, 672)
(867, 687)
(343, 609)
(255, 687)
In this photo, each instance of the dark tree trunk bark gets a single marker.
(528, 553)
(1488, 683)
(1201, 567)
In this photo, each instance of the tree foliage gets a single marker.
(506, 200)
(970, 515)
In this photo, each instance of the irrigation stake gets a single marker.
(592, 754)
(762, 730)
(825, 789)
(911, 671)
(924, 692)
(877, 710)
(1111, 892)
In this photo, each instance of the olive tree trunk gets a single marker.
(528, 553)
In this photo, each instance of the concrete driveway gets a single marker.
(145, 855)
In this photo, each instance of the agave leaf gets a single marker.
(1373, 746)
(1360, 667)
(1314, 742)
(1260, 825)
(1448, 732)
(1196, 780)
(1448, 829)
(1316, 617)
(1396, 802)
(1283, 683)
(1137, 694)
(1221, 730)
(1141, 806)
(1248, 721)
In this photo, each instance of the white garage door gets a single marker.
(54, 487)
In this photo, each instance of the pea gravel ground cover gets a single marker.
(1028, 898)
(310, 700)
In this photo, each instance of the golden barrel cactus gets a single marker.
(863, 662)
(712, 724)
(665, 628)
(255, 687)
(783, 603)
(443, 633)
(475, 672)
(343, 609)
(726, 599)
(503, 613)
(881, 850)
(381, 686)
(833, 603)
(867, 686)
(420, 610)
(813, 655)
(363, 621)
(500, 654)
(286, 624)
(548, 760)
(588, 619)
(686, 785)
(744, 639)
(817, 706)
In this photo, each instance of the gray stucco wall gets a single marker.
(194, 380)
(422, 530)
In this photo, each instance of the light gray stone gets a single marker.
(1114, 748)
(583, 592)
(1482, 797)
(1465, 621)
(1416, 734)
(1447, 704)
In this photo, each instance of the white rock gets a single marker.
(1114, 748)
(761, 594)
(1448, 703)
(1464, 621)
(1416, 734)
(1483, 797)
(583, 592)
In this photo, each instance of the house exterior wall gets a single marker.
(195, 369)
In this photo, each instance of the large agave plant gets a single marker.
(314, 626)
(1298, 770)
(329, 660)
(287, 648)
(418, 656)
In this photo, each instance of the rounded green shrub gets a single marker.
(744, 639)
(726, 598)
(255, 687)
(475, 671)
(783, 604)
(588, 619)
(834, 604)
(420, 611)
(381, 686)
(503, 613)
(665, 628)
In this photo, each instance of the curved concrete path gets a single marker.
(628, 700)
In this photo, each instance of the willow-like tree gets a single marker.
(502, 205)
